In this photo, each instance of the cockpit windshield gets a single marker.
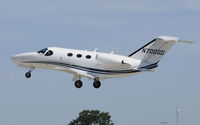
(49, 53)
(43, 51)
(46, 51)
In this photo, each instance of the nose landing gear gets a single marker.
(28, 74)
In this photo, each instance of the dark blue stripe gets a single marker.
(151, 65)
(99, 71)
(92, 70)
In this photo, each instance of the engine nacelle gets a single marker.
(108, 60)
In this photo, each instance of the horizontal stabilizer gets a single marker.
(147, 70)
(185, 41)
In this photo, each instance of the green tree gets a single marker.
(92, 117)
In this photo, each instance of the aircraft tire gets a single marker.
(28, 75)
(78, 84)
(97, 84)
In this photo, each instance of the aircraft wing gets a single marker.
(77, 73)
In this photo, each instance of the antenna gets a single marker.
(178, 109)
(95, 49)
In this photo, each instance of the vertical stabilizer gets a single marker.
(152, 52)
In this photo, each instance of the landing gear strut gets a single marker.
(96, 83)
(78, 84)
(28, 74)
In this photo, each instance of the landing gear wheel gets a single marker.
(28, 75)
(78, 84)
(97, 84)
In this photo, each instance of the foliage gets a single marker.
(92, 117)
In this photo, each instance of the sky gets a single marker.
(50, 98)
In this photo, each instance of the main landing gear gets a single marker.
(96, 83)
(28, 74)
(78, 84)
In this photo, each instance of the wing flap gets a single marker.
(77, 73)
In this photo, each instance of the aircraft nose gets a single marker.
(15, 58)
(19, 58)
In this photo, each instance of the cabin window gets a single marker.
(69, 54)
(88, 56)
(79, 55)
(43, 51)
(49, 53)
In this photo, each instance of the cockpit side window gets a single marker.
(49, 53)
(43, 51)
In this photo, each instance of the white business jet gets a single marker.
(96, 65)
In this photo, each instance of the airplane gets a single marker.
(97, 65)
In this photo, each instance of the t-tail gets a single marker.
(150, 54)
